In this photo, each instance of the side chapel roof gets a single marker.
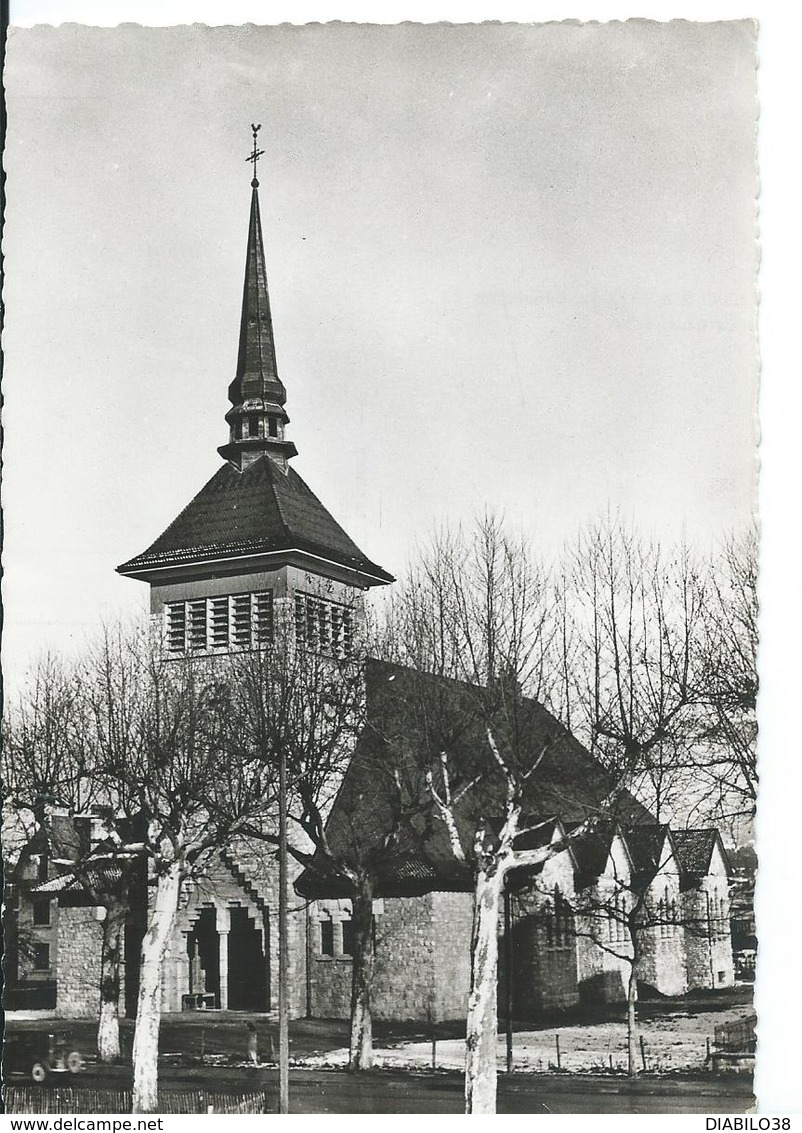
(568, 783)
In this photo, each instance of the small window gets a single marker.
(176, 627)
(264, 616)
(41, 868)
(323, 626)
(720, 977)
(327, 938)
(218, 610)
(272, 426)
(348, 938)
(253, 426)
(41, 911)
(41, 957)
(197, 624)
(241, 620)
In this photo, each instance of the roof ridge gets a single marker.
(273, 470)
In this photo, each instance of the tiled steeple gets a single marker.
(257, 417)
(256, 523)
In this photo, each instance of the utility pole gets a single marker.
(283, 966)
(508, 974)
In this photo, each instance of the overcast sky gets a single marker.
(510, 267)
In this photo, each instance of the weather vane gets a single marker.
(255, 154)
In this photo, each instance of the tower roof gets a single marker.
(257, 372)
(257, 415)
(255, 512)
(259, 511)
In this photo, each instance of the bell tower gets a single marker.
(255, 540)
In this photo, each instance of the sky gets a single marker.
(125, 243)
(511, 268)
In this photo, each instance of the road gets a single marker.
(335, 1091)
(342, 1093)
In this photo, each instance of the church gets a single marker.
(256, 549)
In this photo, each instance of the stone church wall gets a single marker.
(602, 972)
(452, 921)
(422, 968)
(708, 943)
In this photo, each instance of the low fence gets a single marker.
(737, 1037)
(65, 1099)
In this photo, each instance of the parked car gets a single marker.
(39, 1056)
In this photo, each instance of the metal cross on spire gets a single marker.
(255, 154)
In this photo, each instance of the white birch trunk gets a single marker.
(632, 1020)
(148, 1011)
(361, 1044)
(482, 1028)
(108, 1031)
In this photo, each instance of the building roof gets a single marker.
(694, 850)
(592, 852)
(411, 716)
(259, 510)
(645, 844)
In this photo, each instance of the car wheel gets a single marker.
(75, 1063)
(38, 1072)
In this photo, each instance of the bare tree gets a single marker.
(162, 728)
(475, 616)
(49, 764)
(317, 707)
(729, 761)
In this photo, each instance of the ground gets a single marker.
(209, 1049)
(676, 1041)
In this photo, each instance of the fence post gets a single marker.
(642, 1052)
(559, 1060)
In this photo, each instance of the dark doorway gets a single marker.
(203, 945)
(247, 990)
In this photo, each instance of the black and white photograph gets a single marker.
(381, 460)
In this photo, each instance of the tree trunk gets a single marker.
(108, 1032)
(148, 1011)
(361, 1051)
(482, 1028)
(632, 1019)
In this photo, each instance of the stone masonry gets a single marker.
(78, 991)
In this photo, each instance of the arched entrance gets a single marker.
(247, 990)
(226, 955)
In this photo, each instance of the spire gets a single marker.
(257, 416)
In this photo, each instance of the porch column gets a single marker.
(223, 929)
(192, 950)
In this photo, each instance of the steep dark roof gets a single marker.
(645, 844)
(694, 849)
(256, 511)
(591, 852)
(410, 717)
